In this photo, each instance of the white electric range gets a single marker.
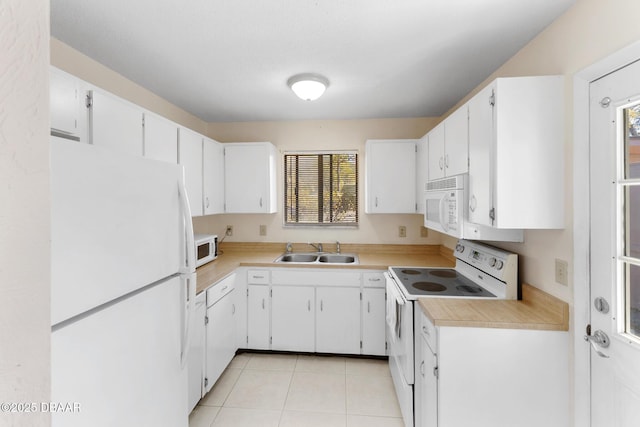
(481, 271)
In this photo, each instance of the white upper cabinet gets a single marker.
(66, 105)
(115, 123)
(160, 139)
(516, 162)
(190, 156)
(422, 170)
(390, 176)
(449, 145)
(250, 177)
(212, 176)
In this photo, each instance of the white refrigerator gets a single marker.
(123, 286)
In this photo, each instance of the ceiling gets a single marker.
(229, 60)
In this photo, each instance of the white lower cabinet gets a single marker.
(220, 325)
(197, 352)
(373, 322)
(292, 318)
(258, 317)
(338, 320)
(505, 377)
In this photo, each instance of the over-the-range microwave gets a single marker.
(446, 205)
(206, 248)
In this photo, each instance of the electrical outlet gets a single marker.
(424, 232)
(402, 231)
(229, 231)
(562, 272)
(263, 230)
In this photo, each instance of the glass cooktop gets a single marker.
(442, 282)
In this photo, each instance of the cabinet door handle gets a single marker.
(207, 202)
(376, 202)
(446, 161)
(368, 306)
(441, 163)
(321, 305)
(422, 369)
(233, 309)
(260, 201)
(309, 305)
(263, 303)
(473, 203)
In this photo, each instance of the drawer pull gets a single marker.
(257, 277)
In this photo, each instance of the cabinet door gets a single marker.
(221, 338)
(391, 176)
(292, 319)
(480, 155)
(422, 170)
(160, 139)
(66, 103)
(428, 379)
(258, 317)
(190, 156)
(197, 341)
(373, 322)
(338, 320)
(249, 170)
(436, 152)
(213, 176)
(456, 142)
(116, 124)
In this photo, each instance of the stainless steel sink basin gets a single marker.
(318, 258)
(337, 259)
(297, 258)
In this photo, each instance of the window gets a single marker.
(321, 189)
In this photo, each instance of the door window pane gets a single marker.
(632, 142)
(633, 300)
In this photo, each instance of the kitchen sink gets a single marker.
(298, 258)
(317, 258)
(337, 259)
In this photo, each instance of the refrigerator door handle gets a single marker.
(188, 305)
(190, 262)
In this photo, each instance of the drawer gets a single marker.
(429, 332)
(220, 289)
(258, 277)
(373, 280)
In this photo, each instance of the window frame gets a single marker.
(321, 225)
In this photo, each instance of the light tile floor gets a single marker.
(283, 390)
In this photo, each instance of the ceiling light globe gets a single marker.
(308, 87)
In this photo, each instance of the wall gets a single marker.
(24, 208)
(320, 135)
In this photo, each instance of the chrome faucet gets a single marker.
(289, 248)
(318, 248)
(337, 247)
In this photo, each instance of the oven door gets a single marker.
(399, 318)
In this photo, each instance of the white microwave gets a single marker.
(206, 248)
(445, 204)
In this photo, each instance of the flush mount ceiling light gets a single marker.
(308, 86)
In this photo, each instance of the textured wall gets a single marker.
(24, 209)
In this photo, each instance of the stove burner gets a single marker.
(469, 289)
(429, 286)
(443, 273)
(408, 271)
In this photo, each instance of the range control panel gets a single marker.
(499, 263)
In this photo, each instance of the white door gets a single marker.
(258, 317)
(246, 169)
(293, 318)
(338, 320)
(190, 156)
(456, 142)
(436, 152)
(213, 176)
(373, 322)
(615, 248)
(160, 139)
(116, 124)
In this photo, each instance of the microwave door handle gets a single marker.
(443, 223)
